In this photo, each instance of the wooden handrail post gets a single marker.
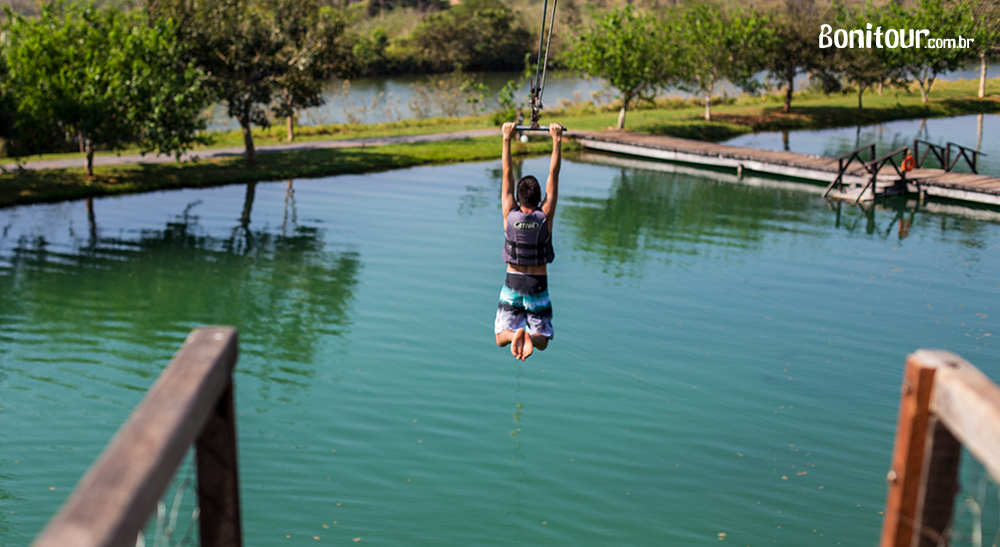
(908, 454)
(939, 484)
(218, 477)
(192, 400)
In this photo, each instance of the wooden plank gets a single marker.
(218, 477)
(969, 404)
(908, 453)
(116, 496)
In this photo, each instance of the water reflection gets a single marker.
(901, 217)
(284, 291)
(676, 214)
(670, 211)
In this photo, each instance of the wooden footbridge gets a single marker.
(851, 176)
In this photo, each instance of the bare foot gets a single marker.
(528, 347)
(517, 343)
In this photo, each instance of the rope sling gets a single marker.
(538, 82)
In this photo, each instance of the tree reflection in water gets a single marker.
(284, 291)
(672, 211)
(673, 215)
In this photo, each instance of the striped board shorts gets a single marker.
(524, 303)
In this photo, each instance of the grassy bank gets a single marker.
(685, 118)
(64, 184)
(674, 117)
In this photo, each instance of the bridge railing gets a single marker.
(190, 403)
(945, 403)
(844, 163)
(970, 156)
(943, 155)
(875, 166)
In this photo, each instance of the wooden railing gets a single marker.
(946, 403)
(190, 403)
(844, 162)
(943, 154)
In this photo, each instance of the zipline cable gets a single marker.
(538, 83)
(548, 43)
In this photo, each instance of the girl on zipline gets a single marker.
(524, 315)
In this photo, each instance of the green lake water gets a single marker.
(727, 356)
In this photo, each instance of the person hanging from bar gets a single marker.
(524, 314)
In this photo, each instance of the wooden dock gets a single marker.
(925, 182)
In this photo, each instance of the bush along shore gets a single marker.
(674, 117)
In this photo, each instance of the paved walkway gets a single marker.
(265, 149)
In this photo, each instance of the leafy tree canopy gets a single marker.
(256, 51)
(944, 19)
(723, 44)
(474, 35)
(631, 51)
(107, 77)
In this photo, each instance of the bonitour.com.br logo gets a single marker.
(890, 39)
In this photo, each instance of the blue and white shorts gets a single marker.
(524, 303)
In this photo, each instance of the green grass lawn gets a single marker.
(64, 184)
(674, 117)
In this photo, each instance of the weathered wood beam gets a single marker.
(218, 477)
(118, 493)
(904, 478)
(968, 403)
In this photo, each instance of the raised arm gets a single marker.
(552, 186)
(507, 193)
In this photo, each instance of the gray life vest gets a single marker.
(529, 242)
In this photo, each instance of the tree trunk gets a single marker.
(708, 107)
(621, 115)
(880, 88)
(291, 130)
(861, 91)
(248, 142)
(88, 168)
(788, 94)
(81, 141)
(924, 92)
(982, 75)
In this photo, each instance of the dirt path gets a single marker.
(265, 149)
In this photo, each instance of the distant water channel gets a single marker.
(387, 98)
(727, 357)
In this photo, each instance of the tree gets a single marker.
(474, 35)
(723, 44)
(923, 64)
(234, 43)
(793, 50)
(631, 51)
(986, 18)
(864, 67)
(7, 107)
(375, 8)
(105, 77)
(255, 50)
(314, 49)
